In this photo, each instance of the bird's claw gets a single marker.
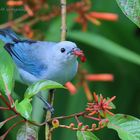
(50, 108)
(47, 105)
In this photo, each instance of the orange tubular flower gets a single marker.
(72, 89)
(92, 19)
(104, 16)
(81, 20)
(83, 78)
(29, 10)
(14, 3)
(28, 31)
(99, 77)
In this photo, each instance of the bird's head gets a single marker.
(66, 51)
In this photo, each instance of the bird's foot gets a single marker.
(50, 108)
(47, 105)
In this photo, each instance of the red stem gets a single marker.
(93, 118)
(4, 108)
(10, 118)
(11, 101)
(4, 100)
(13, 126)
(7, 104)
(76, 118)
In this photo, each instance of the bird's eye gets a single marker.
(63, 50)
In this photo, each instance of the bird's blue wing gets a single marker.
(7, 35)
(29, 55)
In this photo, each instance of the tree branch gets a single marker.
(63, 20)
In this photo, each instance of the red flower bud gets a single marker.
(55, 123)
(71, 125)
(86, 127)
(80, 124)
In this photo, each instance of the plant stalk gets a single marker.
(63, 37)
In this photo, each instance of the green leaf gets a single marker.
(85, 135)
(41, 85)
(27, 132)
(6, 71)
(131, 8)
(105, 45)
(24, 108)
(128, 127)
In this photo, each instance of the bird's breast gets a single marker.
(62, 73)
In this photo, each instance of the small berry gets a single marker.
(71, 125)
(55, 123)
(80, 124)
(86, 127)
(93, 126)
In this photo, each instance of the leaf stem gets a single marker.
(10, 118)
(4, 108)
(13, 126)
(4, 100)
(8, 104)
(93, 118)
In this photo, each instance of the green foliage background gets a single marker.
(126, 85)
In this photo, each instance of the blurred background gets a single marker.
(110, 45)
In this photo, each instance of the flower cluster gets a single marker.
(30, 6)
(96, 110)
(94, 18)
(34, 15)
(99, 105)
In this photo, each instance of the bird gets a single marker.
(42, 60)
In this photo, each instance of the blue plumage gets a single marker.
(8, 36)
(37, 60)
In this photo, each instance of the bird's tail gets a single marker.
(7, 35)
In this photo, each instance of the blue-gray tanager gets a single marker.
(37, 60)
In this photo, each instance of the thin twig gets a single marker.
(93, 118)
(68, 117)
(8, 104)
(18, 20)
(4, 108)
(77, 6)
(63, 20)
(65, 117)
(13, 126)
(58, 118)
(76, 118)
(4, 100)
(10, 118)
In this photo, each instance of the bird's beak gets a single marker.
(79, 53)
